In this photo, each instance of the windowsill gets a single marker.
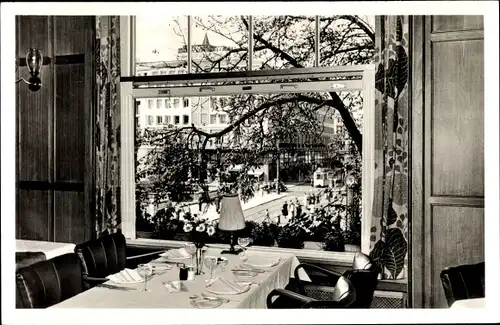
(308, 256)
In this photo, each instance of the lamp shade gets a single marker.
(231, 215)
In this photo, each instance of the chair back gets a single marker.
(27, 258)
(48, 282)
(463, 282)
(103, 256)
(362, 262)
(364, 282)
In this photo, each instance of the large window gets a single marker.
(294, 138)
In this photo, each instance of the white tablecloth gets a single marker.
(469, 303)
(130, 295)
(51, 249)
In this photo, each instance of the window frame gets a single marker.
(128, 94)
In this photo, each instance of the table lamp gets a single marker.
(231, 218)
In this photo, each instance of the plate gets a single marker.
(261, 263)
(245, 273)
(206, 303)
(229, 291)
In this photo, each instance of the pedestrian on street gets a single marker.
(292, 210)
(267, 218)
(299, 211)
(285, 209)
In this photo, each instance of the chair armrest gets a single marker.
(326, 304)
(93, 280)
(286, 293)
(300, 285)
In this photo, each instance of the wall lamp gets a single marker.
(34, 61)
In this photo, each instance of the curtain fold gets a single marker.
(389, 222)
(107, 127)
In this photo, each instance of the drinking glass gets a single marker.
(223, 264)
(210, 262)
(144, 271)
(244, 242)
(191, 249)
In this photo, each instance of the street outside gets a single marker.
(255, 209)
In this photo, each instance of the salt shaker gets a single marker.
(190, 275)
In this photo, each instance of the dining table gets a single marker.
(468, 303)
(50, 249)
(269, 271)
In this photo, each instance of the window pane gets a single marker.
(185, 102)
(167, 103)
(176, 103)
(150, 103)
(219, 43)
(346, 41)
(159, 119)
(312, 152)
(283, 42)
(160, 43)
(159, 103)
(167, 119)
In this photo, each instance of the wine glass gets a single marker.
(244, 242)
(210, 262)
(223, 263)
(144, 271)
(191, 249)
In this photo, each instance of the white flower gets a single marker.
(188, 227)
(332, 220)
(210, 230)
(196, 219)
(201, 228)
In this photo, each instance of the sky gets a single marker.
(157, 41)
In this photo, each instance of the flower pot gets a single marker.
(144, 234)
(313, 245)
(352, 248)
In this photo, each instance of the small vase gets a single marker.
(198, 261)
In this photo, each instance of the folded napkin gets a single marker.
(180, 253)
(223, 285)
(125, 276)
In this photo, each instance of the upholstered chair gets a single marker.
(363, 275)
(27, 258)
(463, 282)
(105, 256)
(43, 284)
(343, 295)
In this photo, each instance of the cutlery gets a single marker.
(249, 269)
(210, 282)
(223, 300)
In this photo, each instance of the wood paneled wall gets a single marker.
(447, 150)
(55, 130)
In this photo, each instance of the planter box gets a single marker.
(352, 248)
(144, 234)
(313, 245)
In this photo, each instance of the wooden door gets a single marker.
(447, 150)
(54, 133)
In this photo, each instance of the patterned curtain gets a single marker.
(107, 127)
(389, 224)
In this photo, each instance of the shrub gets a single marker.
(264, 234)
(334, 241)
